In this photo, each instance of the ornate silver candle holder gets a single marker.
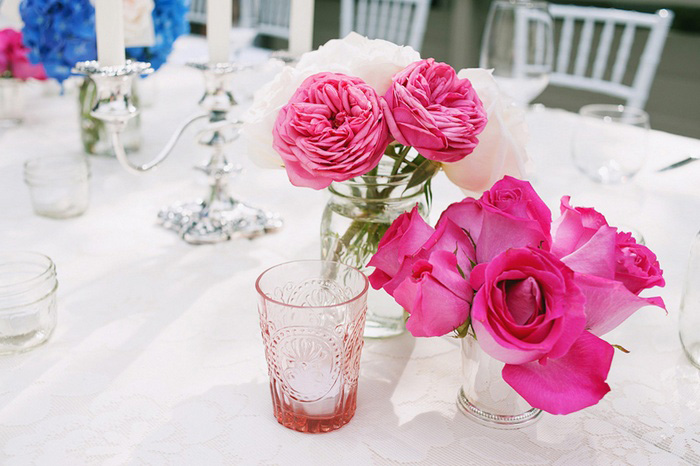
(219, 216)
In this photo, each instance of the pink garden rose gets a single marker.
(528, 312)
(14, 57)
(509, 215)
(429, 108)
(611, 268)
(332, 129)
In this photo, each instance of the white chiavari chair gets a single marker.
(608, 69)
(400, 21)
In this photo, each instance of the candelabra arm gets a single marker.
(118, 145)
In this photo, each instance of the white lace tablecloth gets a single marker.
(157, 357)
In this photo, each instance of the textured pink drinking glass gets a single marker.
(312, 316)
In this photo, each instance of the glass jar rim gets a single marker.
(615, 113)
(354, 298)
(48, 266)
(46, 170)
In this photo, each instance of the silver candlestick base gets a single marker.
(219, 216)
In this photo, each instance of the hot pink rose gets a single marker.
(603, 262)
(636, 266)
(432, 285)
(332, 129)
(528, 312)
(509, 215)
(404, 238)
(430, 108)
(14, 57)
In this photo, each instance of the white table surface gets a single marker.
(158, 359)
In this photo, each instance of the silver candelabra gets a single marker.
(219, 216)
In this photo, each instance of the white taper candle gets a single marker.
(219, 17)
(109, 27)
(301, 27)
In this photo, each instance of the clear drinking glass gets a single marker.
(27, 300)
(59, 186)
(312, 315)
(518, 46)
(689, 320)
(11, 102)
(610, 142)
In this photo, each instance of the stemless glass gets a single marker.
(610, 142)
(518, 46)
(312, 315)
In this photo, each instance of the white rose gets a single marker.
(138, 23)
(501, 149)
(374, 61)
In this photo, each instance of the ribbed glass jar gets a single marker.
(356, 217)
(59, 186)
(28, 287)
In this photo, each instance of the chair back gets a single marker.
(198, 12)
(269, 17)
(613, 34)
(400, 21)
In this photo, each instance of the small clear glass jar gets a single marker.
(689, 318)
(28, 287)
(59, 186)
(356, 217)
(11, 102)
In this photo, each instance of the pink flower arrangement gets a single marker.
(335, 127)
(14, 61)
(536, 294)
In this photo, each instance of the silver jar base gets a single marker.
(497, 421)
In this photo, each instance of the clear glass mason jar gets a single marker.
(356, 217)
(485, 397)
(59, 186)
(93, 132)
(689, 318)
(28, 287)
(11, 102)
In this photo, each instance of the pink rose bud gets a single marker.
(332, 129)
(430, 108)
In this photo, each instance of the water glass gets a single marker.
(518, 44)
(59, 186)
(27, 300)
(312, 315)
(689, 319)
(610, 142)
(11, 102)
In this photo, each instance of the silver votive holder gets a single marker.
(59, 186)
(27, 300)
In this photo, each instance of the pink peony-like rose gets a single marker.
(430, 108)
(528, 312)
(607, 268)
(14, 57)
(332, 129)
(509, 215)
(404, 238)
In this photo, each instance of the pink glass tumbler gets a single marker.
(312, 316)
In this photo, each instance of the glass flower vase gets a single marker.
(93, 132)
(356, 217)
(11, 102)
(485, 397)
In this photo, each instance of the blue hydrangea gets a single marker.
(60, 33)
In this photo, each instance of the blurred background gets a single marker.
(455, 27)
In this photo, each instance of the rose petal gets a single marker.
(570, 383)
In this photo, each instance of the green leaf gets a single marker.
(463, 330)
(425, 171)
